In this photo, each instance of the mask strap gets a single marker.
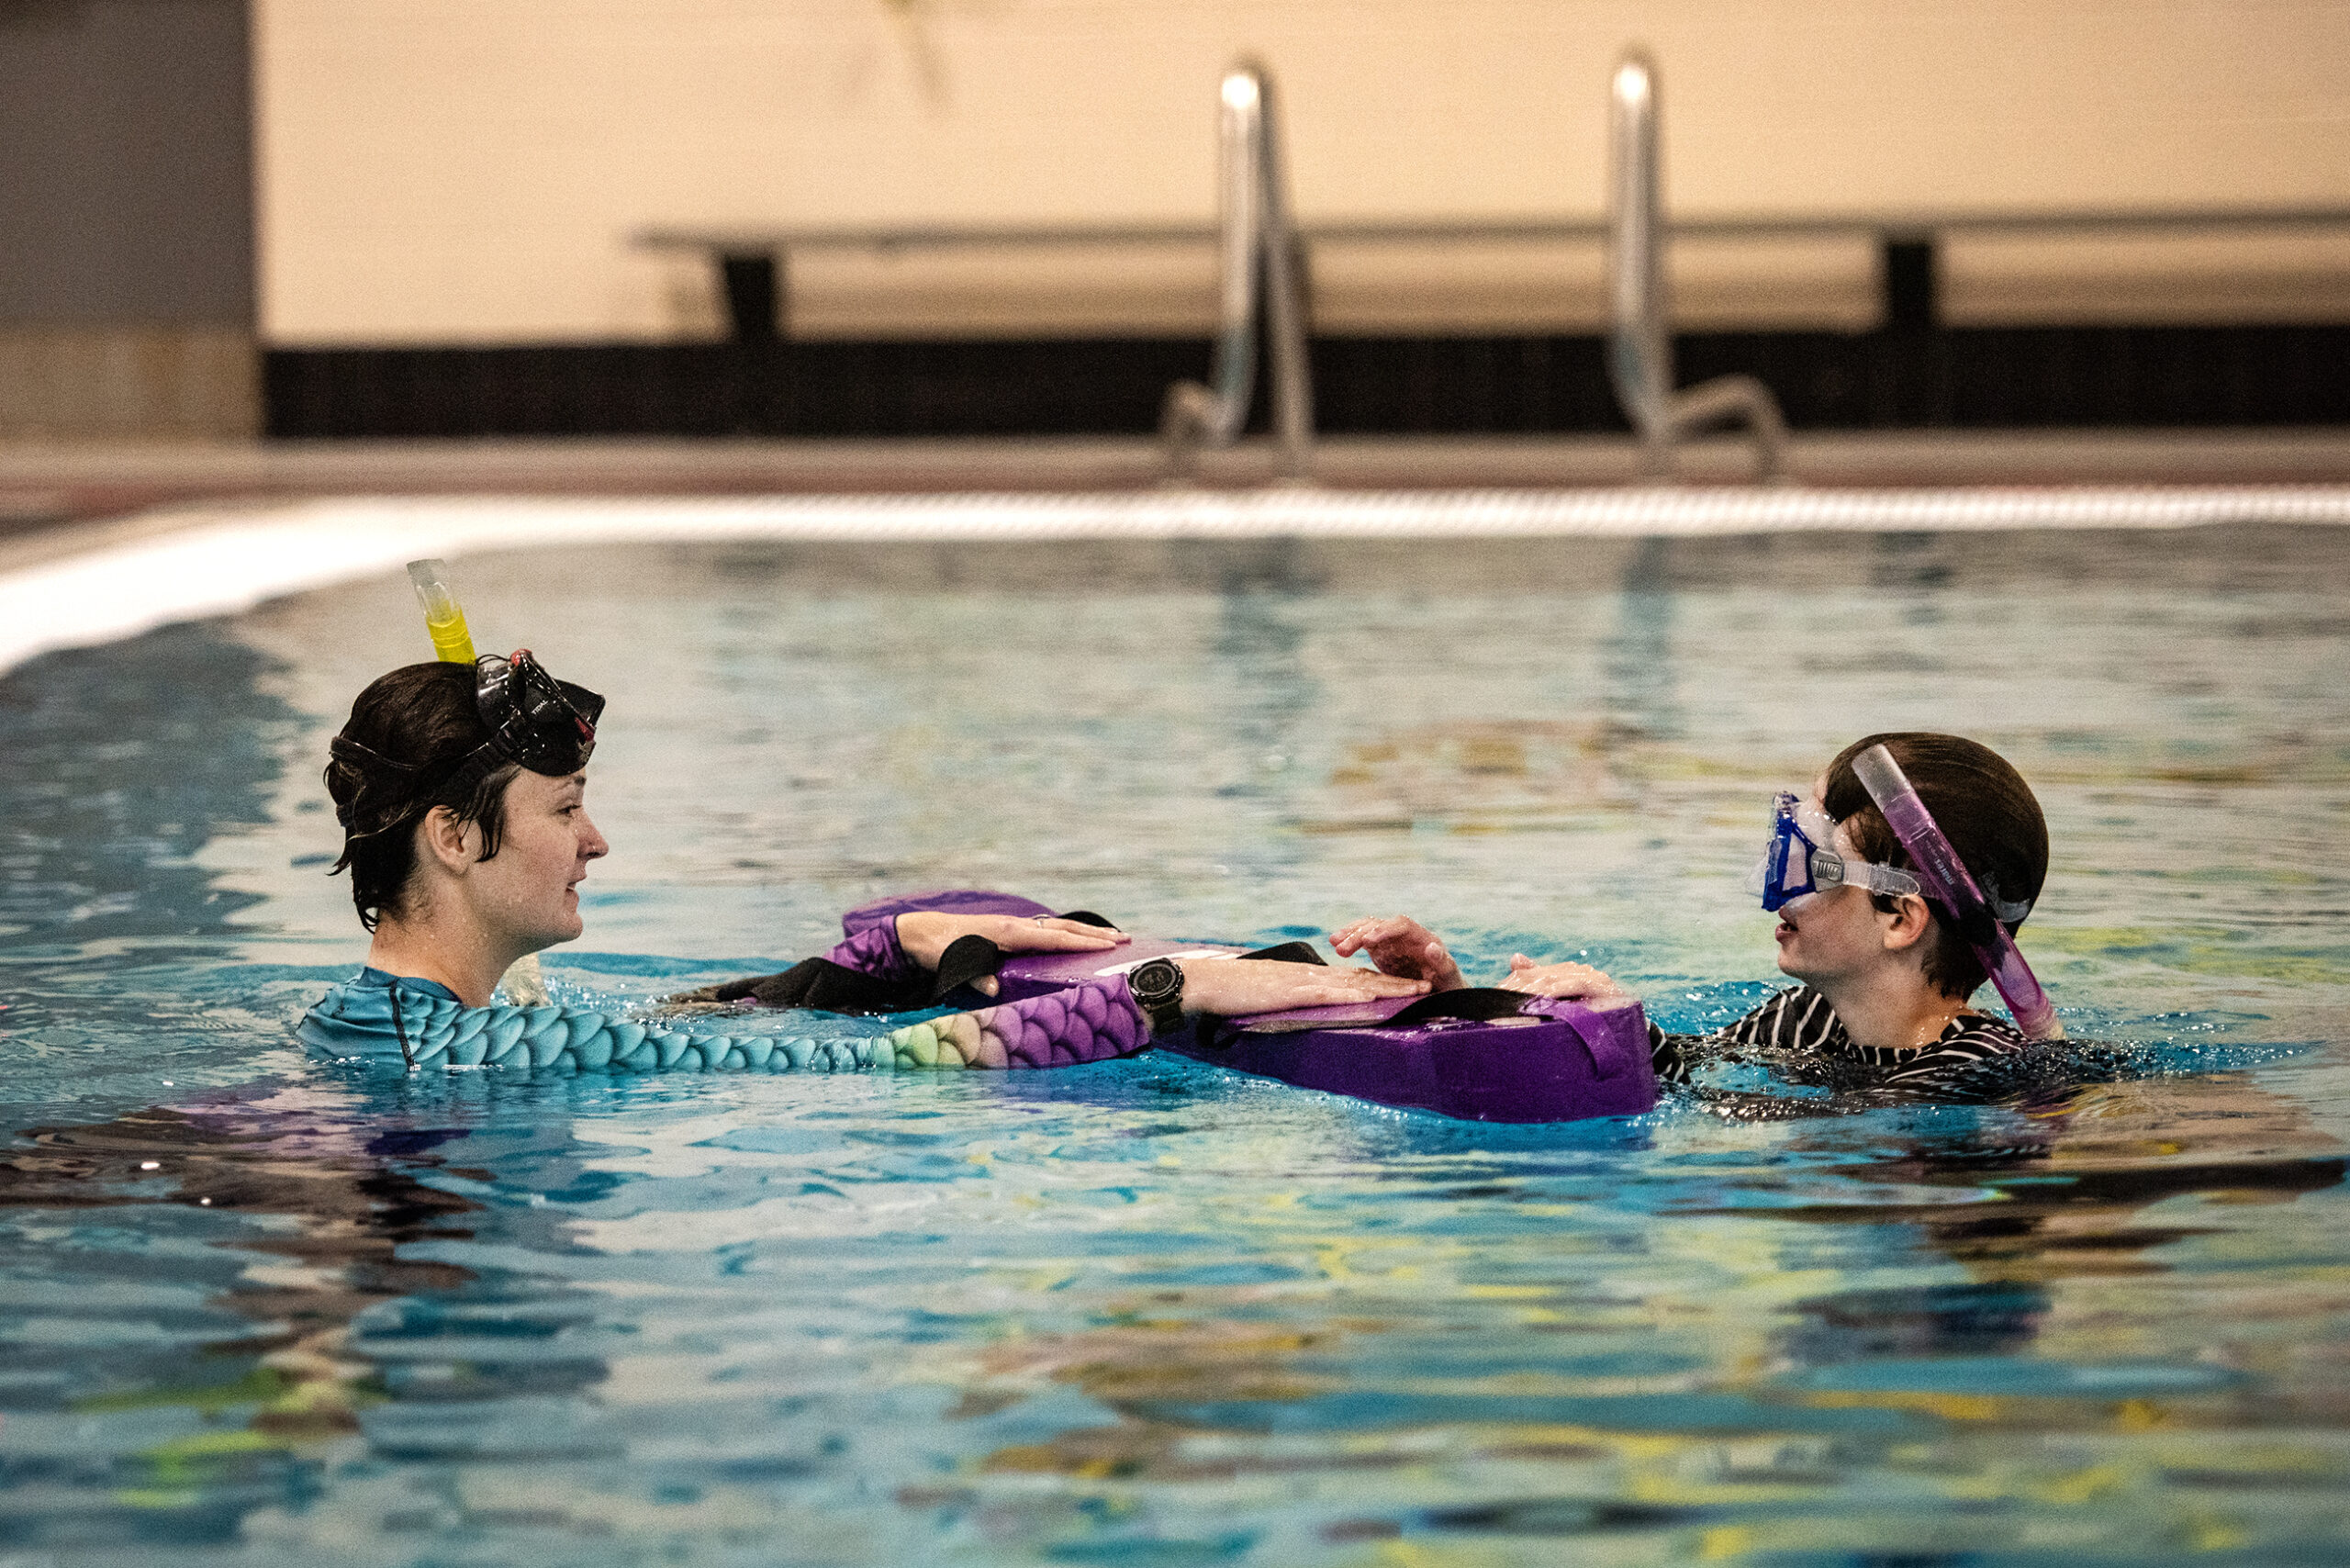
(342, 748)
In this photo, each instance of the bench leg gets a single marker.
(1912, 284)
(753, 281)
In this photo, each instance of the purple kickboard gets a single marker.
(1555, 1062)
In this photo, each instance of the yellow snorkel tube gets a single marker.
(444, 622)
(452, 643)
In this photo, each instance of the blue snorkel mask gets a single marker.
(1797, 861)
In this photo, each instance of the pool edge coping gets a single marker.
(100, 582)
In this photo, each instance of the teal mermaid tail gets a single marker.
(417, 1025)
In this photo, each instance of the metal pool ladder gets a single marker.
(1639, 339)
(1259, 250)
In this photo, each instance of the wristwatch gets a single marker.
(1157, 988)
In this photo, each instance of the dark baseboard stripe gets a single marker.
(1955, 378)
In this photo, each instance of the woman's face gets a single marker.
(528, 892)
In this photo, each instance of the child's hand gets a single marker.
(1400, 946)
(1579, 982)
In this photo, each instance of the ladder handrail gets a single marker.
(1260, 268)
(1640, 337)
(1639, 346)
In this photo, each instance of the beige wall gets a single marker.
(435, 171)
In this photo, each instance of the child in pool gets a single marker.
(1885, 973)
(461, 792)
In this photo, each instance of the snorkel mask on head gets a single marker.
(542, 723)
(535, 721)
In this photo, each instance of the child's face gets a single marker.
(1835, 934)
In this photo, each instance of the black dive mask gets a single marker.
(535, 721)
(545, 725)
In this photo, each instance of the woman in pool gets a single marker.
(1885, 971)
(461, 792)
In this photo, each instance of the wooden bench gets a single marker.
(754, 264)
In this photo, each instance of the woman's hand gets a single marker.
(925, 934)
(1232, 988)
(1400, 946)
(1573, 981)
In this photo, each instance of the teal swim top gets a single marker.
(415, 1024)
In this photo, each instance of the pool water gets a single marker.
(1150, 1312)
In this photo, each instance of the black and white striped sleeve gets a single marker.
(1796, 1019)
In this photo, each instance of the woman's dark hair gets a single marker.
(402, 753)
(1983, 807)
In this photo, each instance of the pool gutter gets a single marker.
(94, 582)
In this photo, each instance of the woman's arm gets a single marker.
(886, 967)
(1100, 1018)
(876, 951)
(1402, 945)
(913, 944)
(926, 935)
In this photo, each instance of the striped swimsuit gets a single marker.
(1800, 1037)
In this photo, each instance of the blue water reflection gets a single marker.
(1150, 1311)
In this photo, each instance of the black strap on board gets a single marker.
(1288, 953)
(1470, 1002)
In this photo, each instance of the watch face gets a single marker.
(1155, 981)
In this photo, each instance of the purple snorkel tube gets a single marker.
(1946, 878)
